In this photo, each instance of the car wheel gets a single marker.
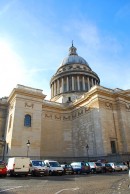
(33, 173)
(50, 173)
(11, 173)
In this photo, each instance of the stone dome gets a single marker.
(73, 58)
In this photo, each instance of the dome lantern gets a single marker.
(72, 50)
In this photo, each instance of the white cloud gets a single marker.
(12, 69)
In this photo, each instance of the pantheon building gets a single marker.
(81, 120)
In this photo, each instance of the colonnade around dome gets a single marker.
(78, 83)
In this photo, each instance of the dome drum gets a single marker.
(73, 73)
(73, 83)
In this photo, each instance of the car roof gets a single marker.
(50, 161)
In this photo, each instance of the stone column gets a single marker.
(78, 83)
(67, 82)
(58, 86)
(88, 84)
(51, 90)
(83, 83)
(72, 83)
(54, 88)
(62, 85)
(92, 82)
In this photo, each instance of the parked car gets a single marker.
(3, 169)
(114, 166)
(88, 170)
(68, 169)
(38, 168)
(123, 166)
(79, 167)
(107, 167)
(54, 167)
(99, 167)
(92, 167)
(18, 166)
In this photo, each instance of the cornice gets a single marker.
(34, 93)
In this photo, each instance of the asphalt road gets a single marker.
(109, 183)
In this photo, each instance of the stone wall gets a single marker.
(3, 117)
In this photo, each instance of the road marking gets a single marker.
(71, 189)
(10, 189)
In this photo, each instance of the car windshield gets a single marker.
(54, 164)
(68, 166)
(107, 165)
(76, 164)
(38, 163)
(98, 164)
(91, 163)
(120, 164)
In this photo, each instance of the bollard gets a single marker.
(129, 173)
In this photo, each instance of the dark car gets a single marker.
(108, 168)
(68, 169)
(88, 169)
(3, 169)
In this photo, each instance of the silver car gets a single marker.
(123, 166)
(115, 166)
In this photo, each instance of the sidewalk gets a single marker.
(123, 187)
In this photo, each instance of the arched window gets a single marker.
(27, 121)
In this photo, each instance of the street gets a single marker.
(105, 183)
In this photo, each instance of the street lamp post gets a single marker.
(28, 145)
(87, 147)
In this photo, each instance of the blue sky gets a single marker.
(35, 37)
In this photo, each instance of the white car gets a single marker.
(18, 166)
(54, 167)
(38, 168)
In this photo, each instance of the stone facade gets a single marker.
(3, 117)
